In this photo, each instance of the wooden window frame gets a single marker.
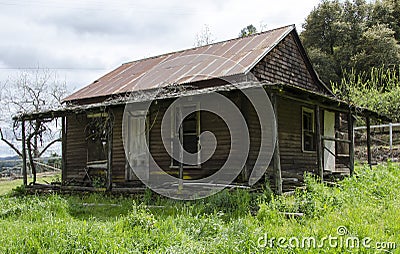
(198, 131)
(103, 140)
(312, 111)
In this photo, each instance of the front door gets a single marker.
(138, 157)
(329, 149)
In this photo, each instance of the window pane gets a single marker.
(189, 129)
(190, 143)
(308, 131)
(189, 124)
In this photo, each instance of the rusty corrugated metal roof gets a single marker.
(222, 59)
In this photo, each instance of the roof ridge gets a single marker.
(215, 43)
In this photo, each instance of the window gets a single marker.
(308, 130)
(188, 136)
(97, 139)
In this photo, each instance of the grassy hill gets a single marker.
(365, 208)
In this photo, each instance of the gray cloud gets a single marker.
(29, 56)
(83, 40)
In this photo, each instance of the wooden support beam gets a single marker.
(319, 143)
(63, 150)
(110, 154)
(244, 107)
(350, 129)
(180, 187)
(277, 156)
(24, 166)
(369, 155)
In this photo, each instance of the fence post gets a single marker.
(391, 139)
(369, 155)
(350, 129)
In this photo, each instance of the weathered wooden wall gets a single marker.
(294, 161)
(118, 153)
(285, 64)
(76, 147)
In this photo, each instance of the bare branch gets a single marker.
(9, 143)
(48, 145)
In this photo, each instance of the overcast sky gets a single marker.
(83, 40)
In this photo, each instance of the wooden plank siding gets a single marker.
(294, 162)
(118, 159)
(76, 147)
(285, 64)
(208, 122)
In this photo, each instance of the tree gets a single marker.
(324, 64)
(321, 37)
(352, 35)
(378, 48)
(205, 37)
(386, 12)
(321, 28)
(31, 91)
(248, 30)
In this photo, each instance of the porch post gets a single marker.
(350, 129)
(24, 171)
(180, 186)
(63, 150)
(277, 156)
(110, 153)
(319, 143)
(369, 155)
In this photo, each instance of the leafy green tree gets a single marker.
(378, 48)
(248, 30)
(324, 64)
(352, 34)
(386, 12)
(321, 28)
(321, 36)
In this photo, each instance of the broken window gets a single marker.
(96, 138)
(187, 134)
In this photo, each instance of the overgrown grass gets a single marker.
(367, 205)
(7, 185)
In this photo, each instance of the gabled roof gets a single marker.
(228, 58)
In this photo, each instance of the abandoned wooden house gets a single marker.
(314, 128)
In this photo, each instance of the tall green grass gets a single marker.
(368, 205)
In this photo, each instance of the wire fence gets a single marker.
(13, 168)
(385, 143)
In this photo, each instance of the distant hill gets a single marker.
(8, 162)
(7, 158)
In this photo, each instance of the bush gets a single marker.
(378, 90)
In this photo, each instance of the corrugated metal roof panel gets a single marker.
(232, 57)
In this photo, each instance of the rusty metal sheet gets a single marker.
(218, 60)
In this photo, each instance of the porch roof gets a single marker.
(283, 90)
